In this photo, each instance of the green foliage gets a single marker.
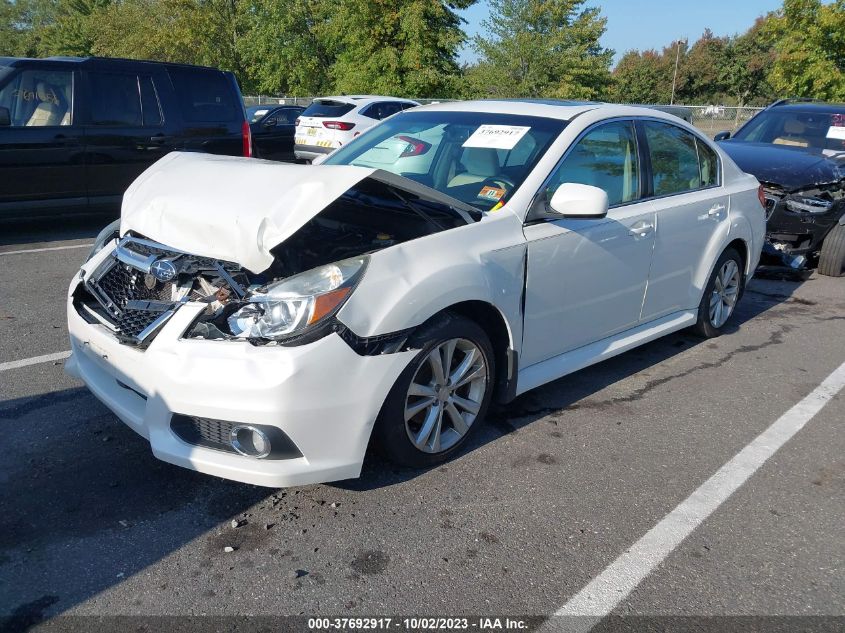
(808, 39)
(537, 48)
(528, 48)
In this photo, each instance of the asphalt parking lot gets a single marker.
(558, 485)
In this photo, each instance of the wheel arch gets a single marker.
(494, 323)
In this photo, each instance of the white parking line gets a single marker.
(14, 364)
(49, 248)
(614, 584)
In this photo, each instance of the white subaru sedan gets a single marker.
(266, 322)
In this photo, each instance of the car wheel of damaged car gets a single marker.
(832, 258)
(441, 397)
(720, 295)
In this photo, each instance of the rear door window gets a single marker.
(115, 99)
(674, 159)
(708, 164)
(39, 98)
(204, 95)
(328, 108)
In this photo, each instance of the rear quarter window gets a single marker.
(328, 108)
(205, 96)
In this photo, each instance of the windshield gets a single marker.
(254, 113)
(477, 158)
(821, 130)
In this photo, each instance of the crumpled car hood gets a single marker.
(790, 167)
(232, 209)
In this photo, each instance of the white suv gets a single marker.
(330, 122)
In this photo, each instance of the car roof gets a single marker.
(360, 100)
(548, 108)
(809, 106)
(94, 62)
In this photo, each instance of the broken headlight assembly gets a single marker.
(287, 308)
(808, 204)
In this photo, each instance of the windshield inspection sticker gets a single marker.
(491, 193)
(837, 132)
(496, 136)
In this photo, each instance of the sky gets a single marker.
(643, 24)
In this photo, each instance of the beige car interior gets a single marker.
(794, 133)
(480, 163)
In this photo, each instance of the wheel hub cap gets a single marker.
(445, 395)
(725, 293)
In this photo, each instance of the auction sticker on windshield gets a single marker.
(496, 136)
(836, 132)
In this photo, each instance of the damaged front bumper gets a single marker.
(186, 395)
(798, 223)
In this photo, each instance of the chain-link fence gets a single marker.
(710, 119)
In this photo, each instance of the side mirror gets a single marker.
(722, 136)
(573, 200)
(5, 118)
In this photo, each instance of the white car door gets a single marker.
(691, 209)
(586, 278)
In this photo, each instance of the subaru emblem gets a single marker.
(163, 270)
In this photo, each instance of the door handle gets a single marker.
(716, 210)
(158, 139)
(641, 229)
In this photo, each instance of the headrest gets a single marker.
(481, 161)
(794, 126)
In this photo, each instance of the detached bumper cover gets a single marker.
(323, 396)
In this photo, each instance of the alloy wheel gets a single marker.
(445, 395)
(725, 293)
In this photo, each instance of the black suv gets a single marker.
(796, 149)
(74, 132)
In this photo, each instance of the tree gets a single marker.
(401, 47)
(537, 48)
(641, 77)
(699, 79)
(744, 65)
(286, 49)
(808, 38)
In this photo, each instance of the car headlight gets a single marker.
(289, 307)
(112, 231)
(808, 204)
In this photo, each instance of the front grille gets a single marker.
(122, 284)
(132, 322)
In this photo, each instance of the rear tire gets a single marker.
(721, 295)
(431, 412)
(832, 258)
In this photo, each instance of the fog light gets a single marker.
(250, 441)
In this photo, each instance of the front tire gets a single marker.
(442, 396)
(832, 258)
(721, 294)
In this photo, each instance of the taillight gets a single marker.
(297, 121)
(761, 196)
(415, 146)
(338, 125)
(246, 138)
